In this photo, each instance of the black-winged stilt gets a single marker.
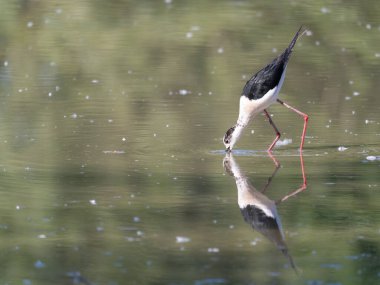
(259, 93)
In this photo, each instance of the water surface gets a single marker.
(112, 115)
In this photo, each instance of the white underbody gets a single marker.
(250, 108)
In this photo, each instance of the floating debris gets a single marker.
(113, 151)
(372, 157)
(213, 249)
(284, 142)
(183, 92)
(182, 239)
(93, 202)
(342, 148)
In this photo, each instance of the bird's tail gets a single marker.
(288, 50)
(294, 40)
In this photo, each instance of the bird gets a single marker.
(259, 93)
(257, 209)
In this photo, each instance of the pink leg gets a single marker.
(305, 119)
(278, 134)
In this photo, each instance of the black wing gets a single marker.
(269, 77)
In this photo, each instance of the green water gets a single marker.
(111, 119)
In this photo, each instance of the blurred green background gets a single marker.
(111, 119)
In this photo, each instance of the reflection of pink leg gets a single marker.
(278, 134)
(303, 186)
(305, 119)
(277, 164)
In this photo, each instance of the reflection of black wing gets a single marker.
(266, 225)
(269, 77)
(257, 218)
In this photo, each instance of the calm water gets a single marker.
(112, 169)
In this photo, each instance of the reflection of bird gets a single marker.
(259, 93)
(257, 209)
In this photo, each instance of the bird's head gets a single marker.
(231, 137)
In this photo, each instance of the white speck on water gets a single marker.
(87, 97)
(50, 94)
(309, 33)
(182, 239)
(231, 227)
(155, 135)
(167, 125)
(124, 139)
(100, 229)
(136, 219)
(29, 24)
(183, 92)
(274, 50)
(210, 93)
(368, 26)
(347, 98)
(350, 82)
(220, 50)
(342, 148)
(189, 35)
(195, 28)
(93, 202)
(255, 241)
(372, 158)
(213, 249)
(325, 10)
(18, 207)
(110, 120)
(74, 116)
(95, 81)
(317, 43)
(39, 264)
(5, 63)
(168, 1)
(252, 132)
(42, 236)
(57, 88)
(356, 93)
(58, 11)
(284, 142)
(140, 233)
(353, 112)
(377, 54)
